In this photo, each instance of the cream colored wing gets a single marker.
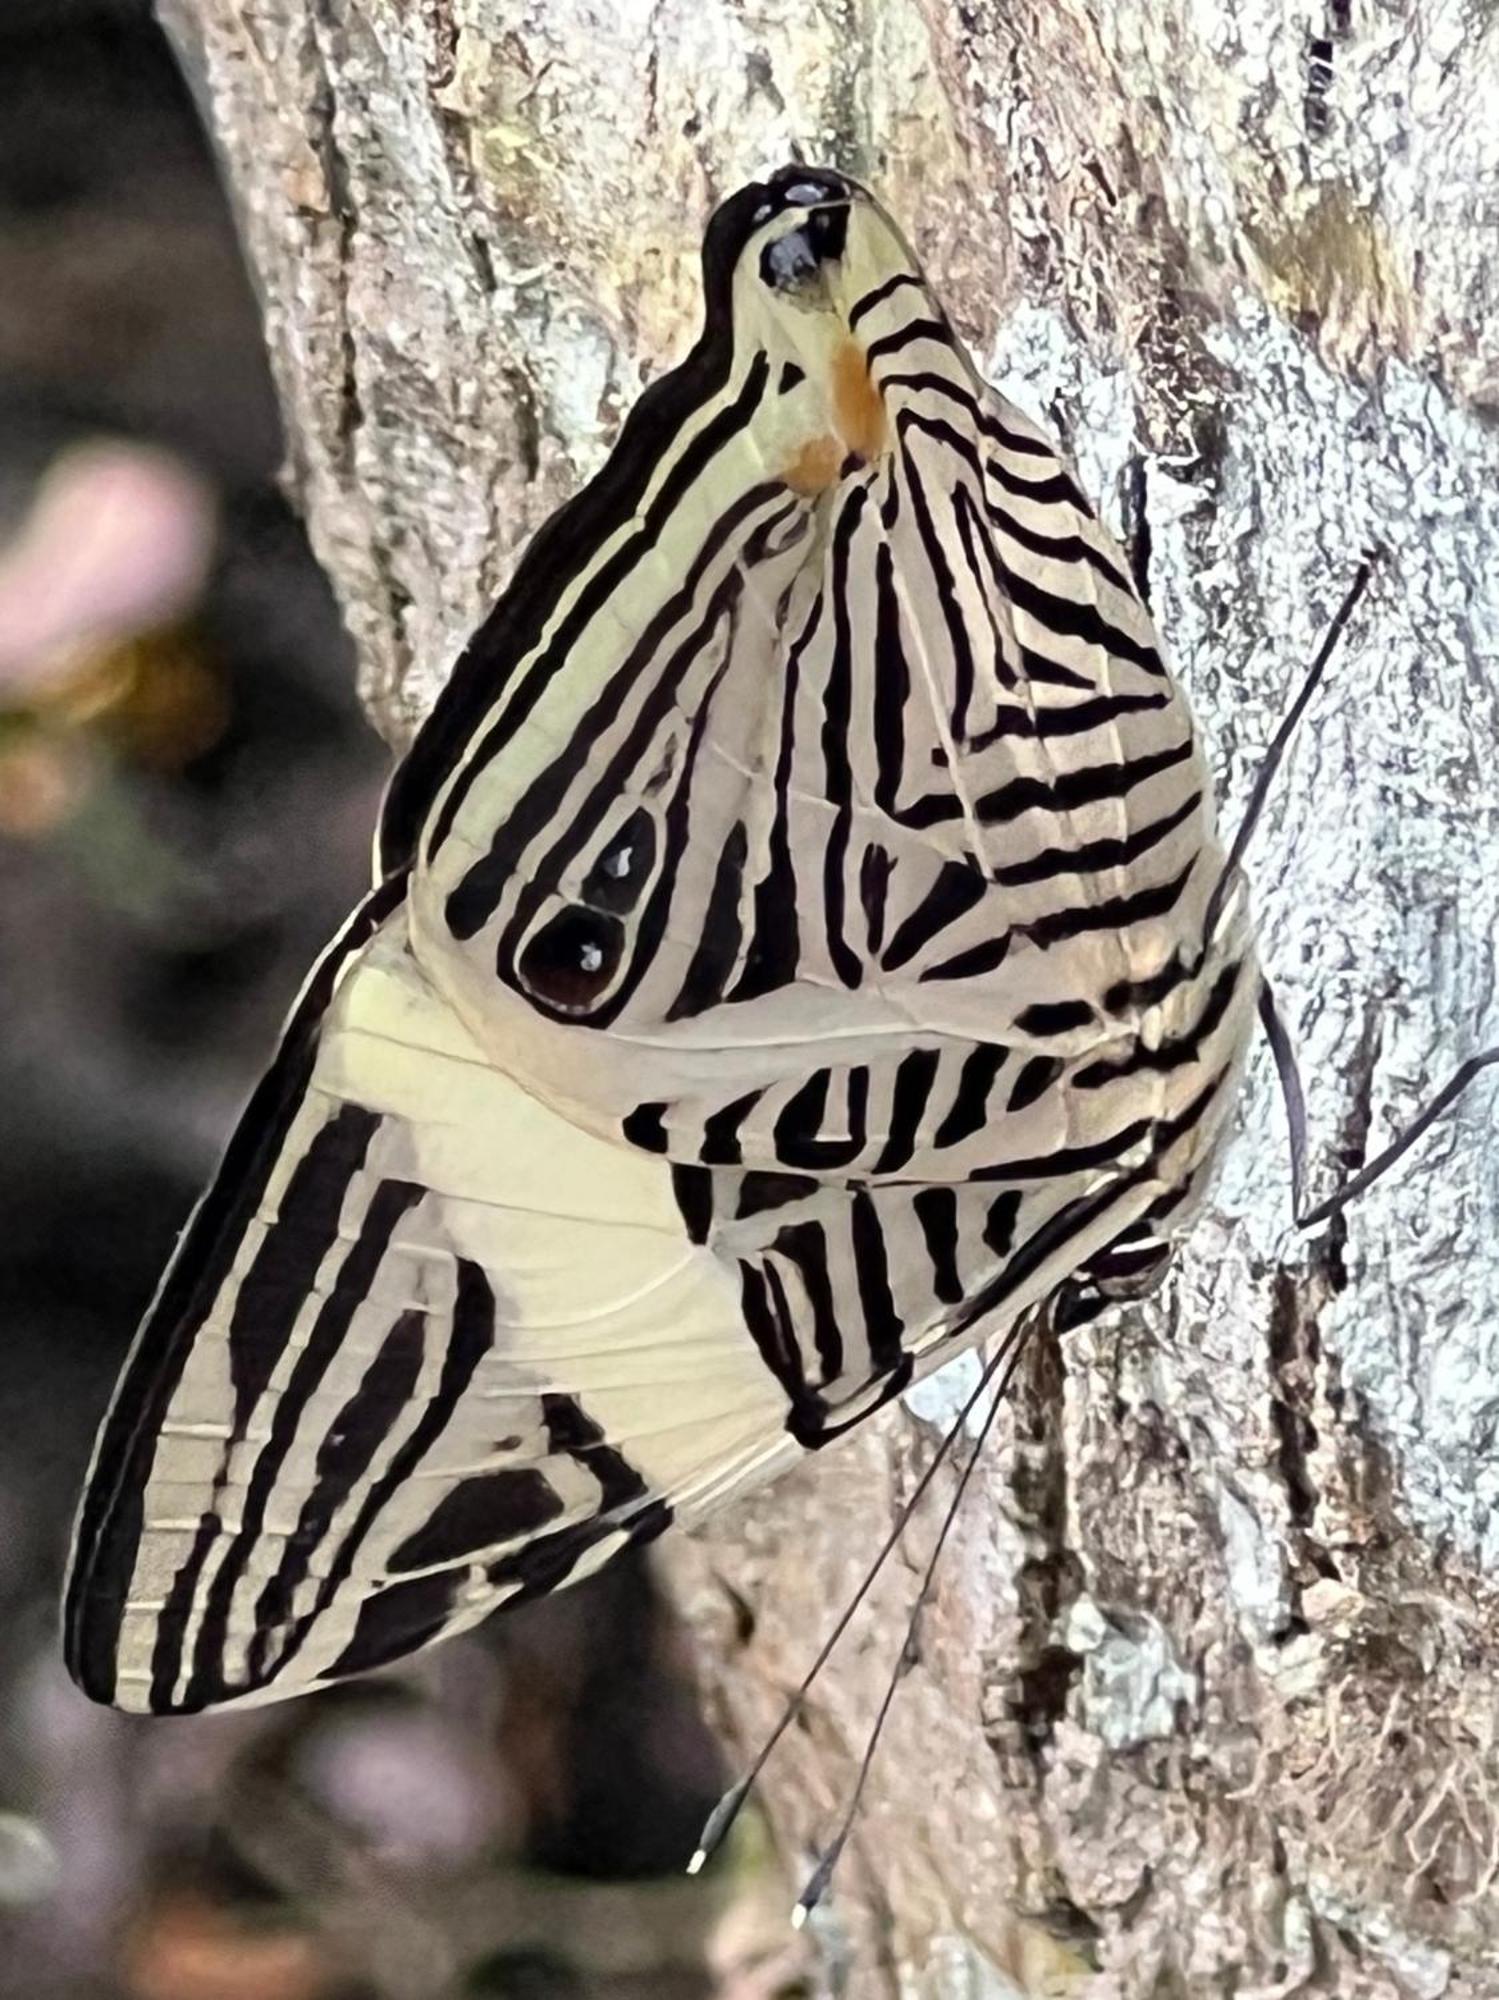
(424, 1348)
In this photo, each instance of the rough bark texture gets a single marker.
(1206, 1703)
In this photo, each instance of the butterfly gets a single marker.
(800, 950)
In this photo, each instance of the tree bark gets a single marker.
(1205, 1702)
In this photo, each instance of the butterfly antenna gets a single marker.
(1291, 1093)
(1417, 1129)
(822, 1874)
(1280, 742)
(727, 1810)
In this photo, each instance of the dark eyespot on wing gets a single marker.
(472, 902)
(571, 961)
(846, 1269)
(618, 878)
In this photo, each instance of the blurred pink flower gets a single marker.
(118, 541)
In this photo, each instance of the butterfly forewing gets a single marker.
(789, 966)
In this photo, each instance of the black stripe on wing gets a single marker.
(206, 1683)
(473, 899)
(470, 1338)
(486, 1512)
(564, 546)
(109, 1524)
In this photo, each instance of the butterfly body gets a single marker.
(790, 964)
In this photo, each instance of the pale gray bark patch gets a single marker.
(1206, 1699)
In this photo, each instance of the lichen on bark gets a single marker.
(1205, 1698)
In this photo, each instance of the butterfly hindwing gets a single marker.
(427, 1352)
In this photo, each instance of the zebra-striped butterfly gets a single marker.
(800, 949)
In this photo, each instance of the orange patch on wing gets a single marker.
(815, 466)
(857, 403)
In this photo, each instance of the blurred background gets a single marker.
(187, 791)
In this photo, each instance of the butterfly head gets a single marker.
(793, 264)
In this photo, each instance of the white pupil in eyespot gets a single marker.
(590, 958)
(618, 865)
